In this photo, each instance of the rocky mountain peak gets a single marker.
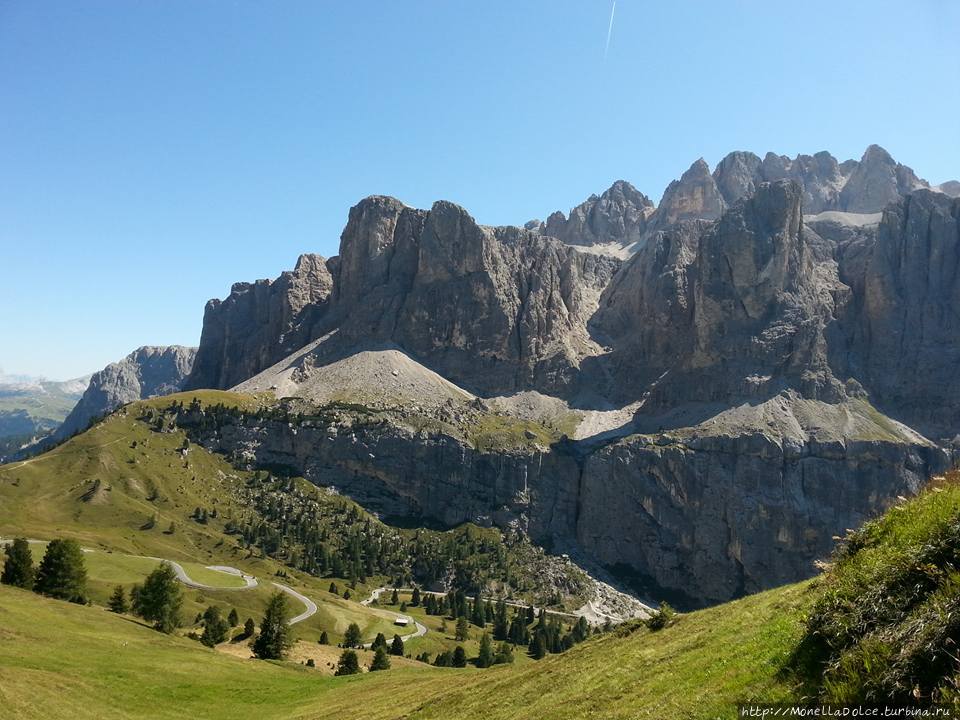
(617, 216)
(877, 181)
(146, 372)
(694, 196)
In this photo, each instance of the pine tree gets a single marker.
(379, 641)
(485, 658)
(324, 638)
(233, 618)
(249, 628)
(538, 648)
(415, 598)
(504, 654)
(444, 659)
(159, 599)
(462, 632)
(352, 637)
(334, 589)
(346, 594)
(136, 593)
(348, 663)
(215, 628)
(501, 628)
(396, 647)
(275, 637)
(62, 573)
(581, 631)
(459, 657)
(479, 614)
(18, 568)
(395, 597)
(118, 601)
(380, 661)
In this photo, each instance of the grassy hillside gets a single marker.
(886, 624)
(699, 667)
(124, 489)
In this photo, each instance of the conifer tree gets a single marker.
(324, 638)
(18, 568)
(159, 599)
(348, 663)
(275, 637)
(415, 598)
(380, 660)
(504, 654)
(501, 628)
(233, 618)
(62, 573)
(462, 631)
(118, 600)
(215, 628)
(459, 658)
(485, 658)
(352, 637)
(444, 659)
(395, 597)
(249, 628)
(396, 647)
(538, 647)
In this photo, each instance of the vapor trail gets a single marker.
(609, 30)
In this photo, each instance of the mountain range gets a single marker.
(697, 395)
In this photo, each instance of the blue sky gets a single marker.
(153, 152)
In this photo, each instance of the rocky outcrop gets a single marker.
(951, 188)
(146, 372)
(617, 217)
(706, 518)
(695, 196)
(494, 309)
(877, 181)
(905, 345)
(260, 323)
(726, 304)
(864, 186)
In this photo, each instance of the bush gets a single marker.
(661, 617)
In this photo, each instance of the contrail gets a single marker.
(609, 30)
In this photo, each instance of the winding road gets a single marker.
(249, 580)
(311, 605)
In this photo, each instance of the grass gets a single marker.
(502, 432)
(699, 667)
(887, 623)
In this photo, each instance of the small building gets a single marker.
(402, 621)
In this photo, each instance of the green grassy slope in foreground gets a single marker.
(59, 660)
(886, 624)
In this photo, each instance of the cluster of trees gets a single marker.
(542, 633)
(62, 573)
(395, 647)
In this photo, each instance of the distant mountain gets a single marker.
(146, 372)
(32, 407)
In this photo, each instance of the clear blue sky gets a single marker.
(152, 152)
